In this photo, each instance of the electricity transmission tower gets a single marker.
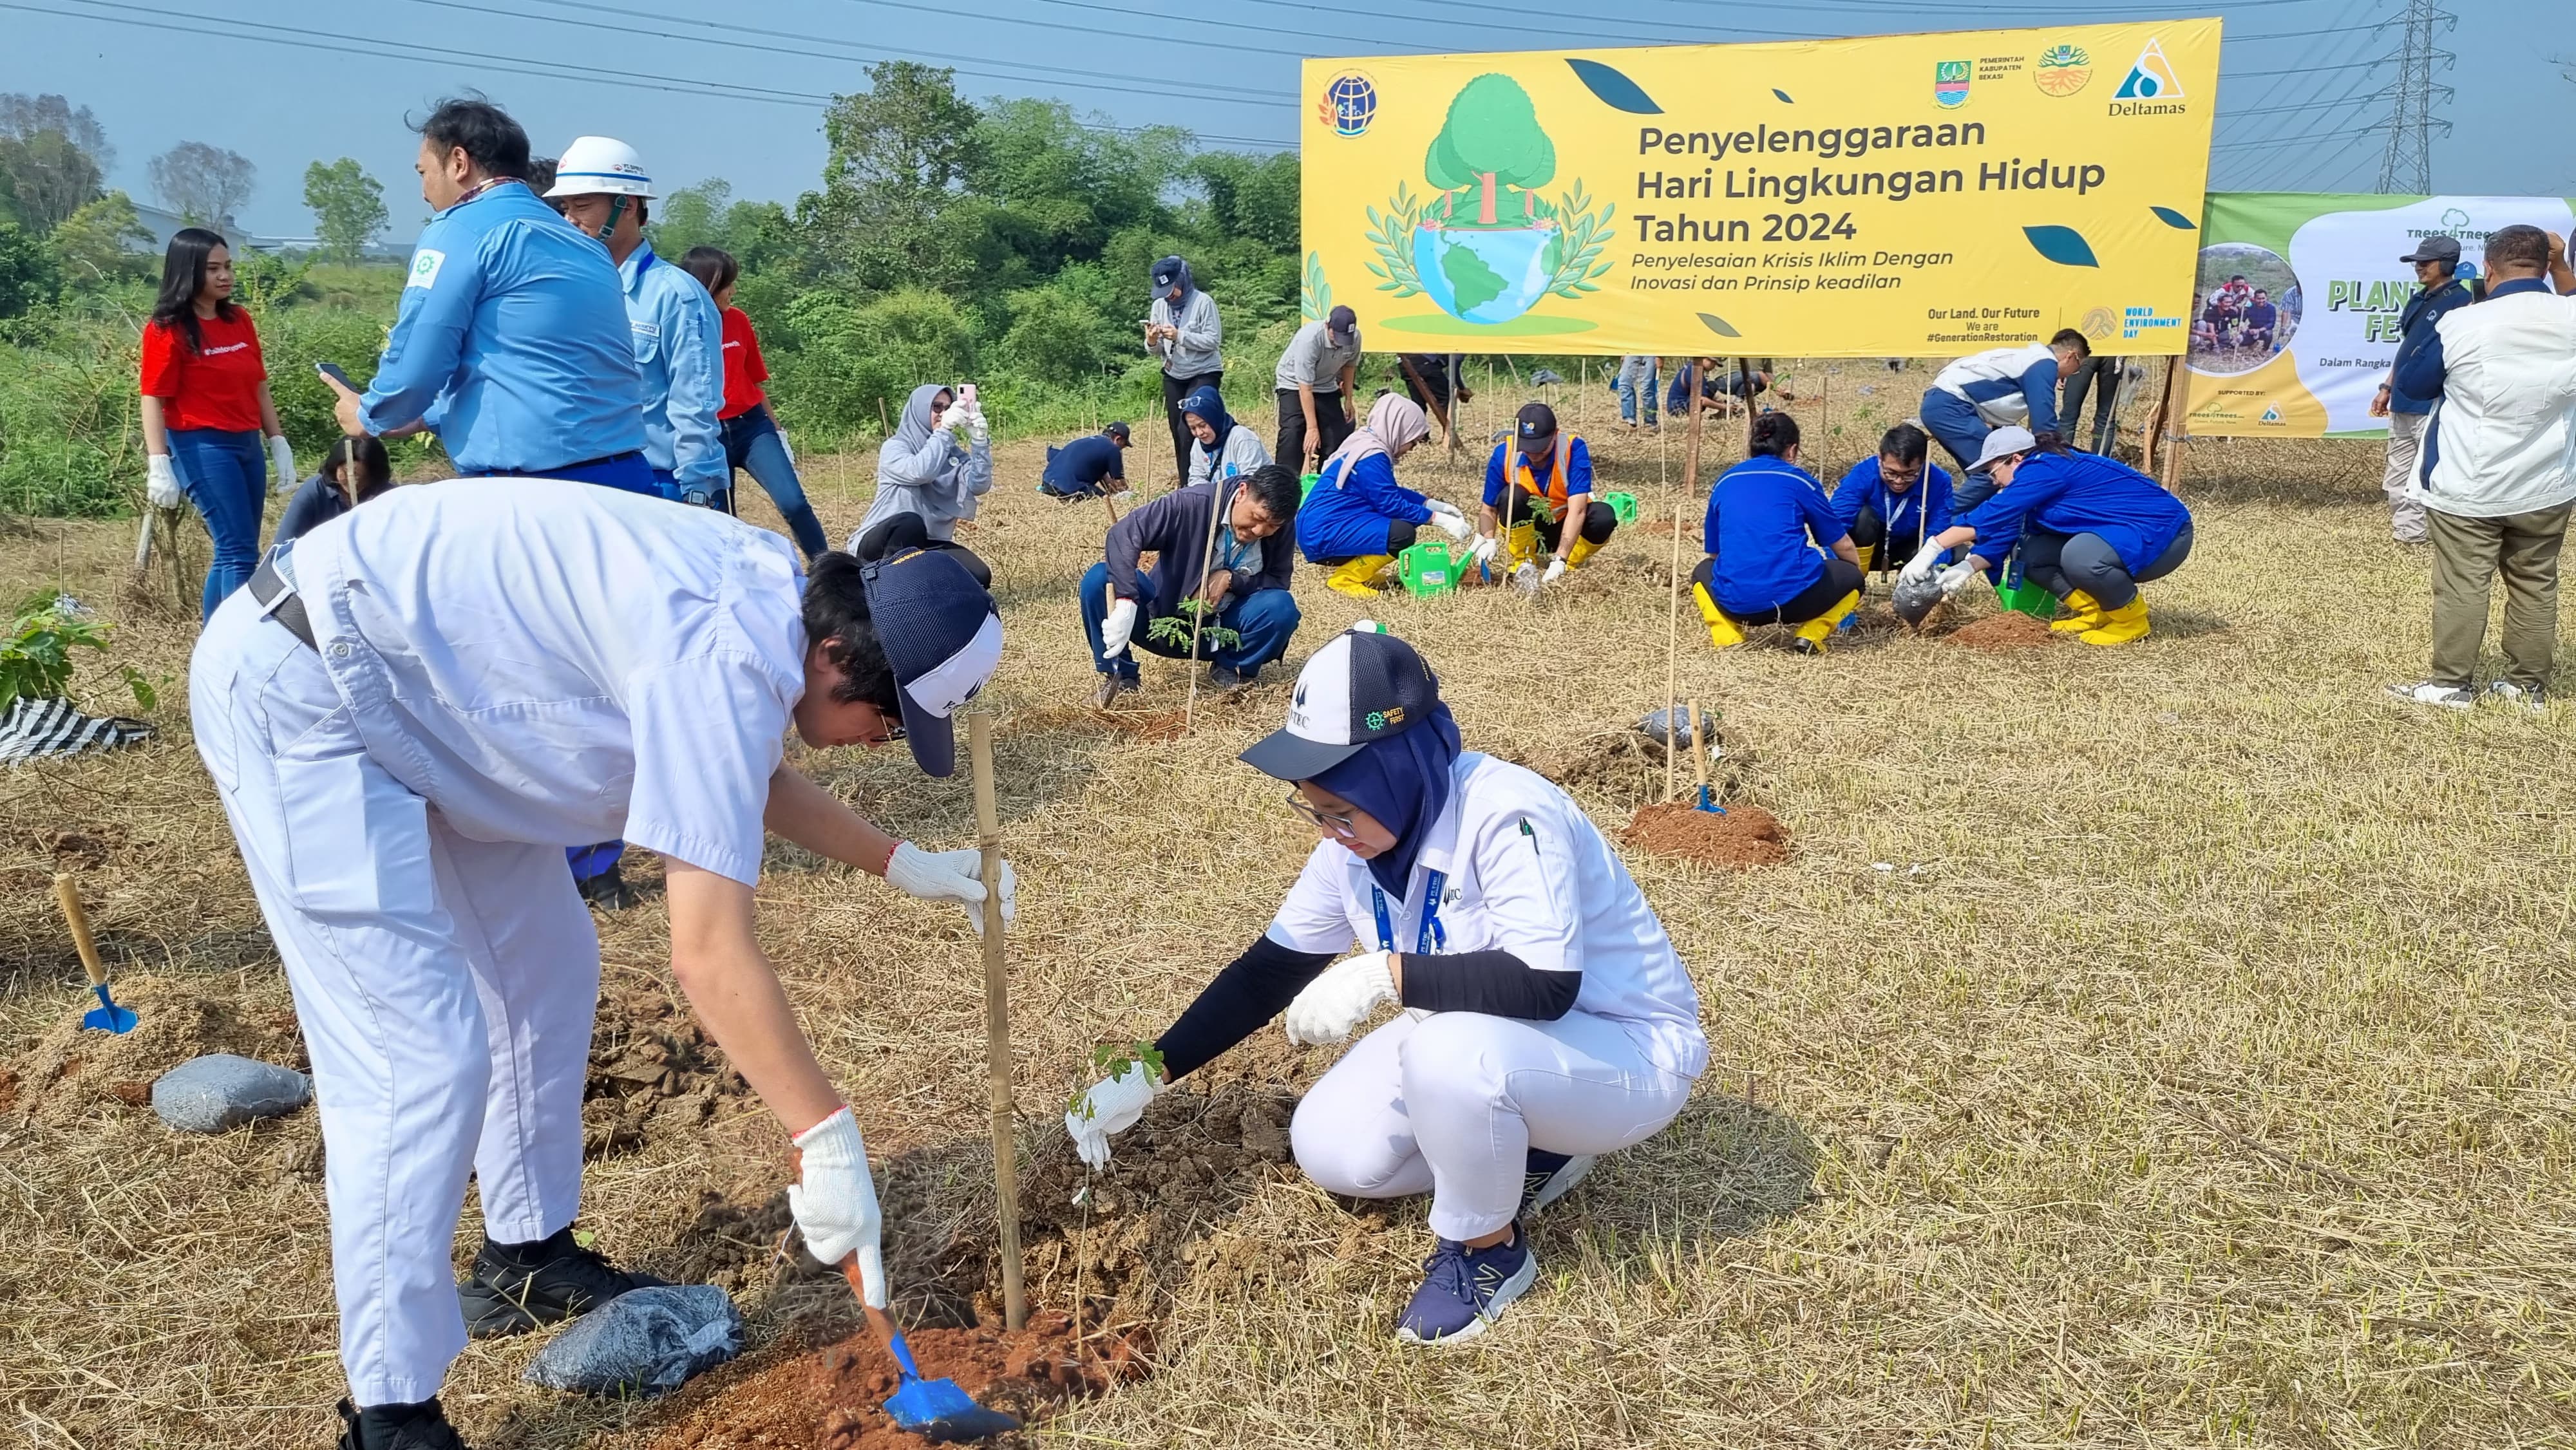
(2408, 165)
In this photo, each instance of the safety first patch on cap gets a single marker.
(425, 265)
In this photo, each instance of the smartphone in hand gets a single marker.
(332, 371)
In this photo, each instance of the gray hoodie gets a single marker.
(934, 474)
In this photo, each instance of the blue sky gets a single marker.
(736, 90)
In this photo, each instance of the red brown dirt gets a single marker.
(2005, 632)
(1743, 837)
(834, 1397)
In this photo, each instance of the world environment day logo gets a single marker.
(1486, 246)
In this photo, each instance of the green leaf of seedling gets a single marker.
(585, 1237)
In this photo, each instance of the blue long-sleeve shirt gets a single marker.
(1902, 513)
(1347, 515)
(2080, 493)
(512, 334)
(1542, 470)
(2423, 310)
(1762, 514)
(678, 336)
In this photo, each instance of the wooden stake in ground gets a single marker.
(2173, 420)
(1699, 754)
(1198, 616)
(1825, 432)
(1673, 610)
(997, 1019)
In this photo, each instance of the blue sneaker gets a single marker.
(1546, 1177)
(1464, 1289)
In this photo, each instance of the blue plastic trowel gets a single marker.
(106, 1016)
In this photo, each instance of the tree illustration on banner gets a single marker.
(1488, 246)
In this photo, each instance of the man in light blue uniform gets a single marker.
(509, 340)
(2007, 387)
(677, 332)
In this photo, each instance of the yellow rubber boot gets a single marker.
(1811, 635)
(2088, 613)
(1353, 578)
(1723, 633)
(2121, 625)
(1867, 552)
(1583, 549)
(1521, 543)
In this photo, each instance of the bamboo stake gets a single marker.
(1198, 616)
(1673, 610)
(1825, 432)
(997, 1019)
(1699, 751)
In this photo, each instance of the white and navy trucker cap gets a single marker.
(942, 635)
(1363, 685)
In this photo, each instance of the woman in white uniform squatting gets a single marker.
(409, 714)
(1545, 1017)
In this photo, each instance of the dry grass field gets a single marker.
(2167, 1045)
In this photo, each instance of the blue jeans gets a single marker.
(1960, 428)
(1626, 384)
(752, 444)
(226, 476)
(1265, 618)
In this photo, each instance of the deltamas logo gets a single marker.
(2151, 87)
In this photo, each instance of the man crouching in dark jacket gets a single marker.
(1239, 579)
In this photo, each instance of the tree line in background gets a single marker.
(1005, 241)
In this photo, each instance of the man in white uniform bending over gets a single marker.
(409, 715)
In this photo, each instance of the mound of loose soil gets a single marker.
(2000, 633)
(654, 1073)
(1744, 836)
(74, 1069)
(833, 1399)
(1625, 769)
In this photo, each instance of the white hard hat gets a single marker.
(601, 165)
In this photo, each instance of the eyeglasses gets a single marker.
(1339, 825)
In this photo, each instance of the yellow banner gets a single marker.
(1913, 195)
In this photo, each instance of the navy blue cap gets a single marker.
(943, 636)
(1364, 684)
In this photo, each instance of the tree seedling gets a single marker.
(36, 652)
(1174, 629)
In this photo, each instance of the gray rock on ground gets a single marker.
(1655, 725)
(219, 1092)
(645, 1342)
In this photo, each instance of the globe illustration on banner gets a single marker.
(1351, 104)
(1484, 276)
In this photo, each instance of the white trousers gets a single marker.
(445, 988)
(2405, 446)
(1452, 1102)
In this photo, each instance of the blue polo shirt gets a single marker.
(1761, 515)
(1079, 466)
(512, 334)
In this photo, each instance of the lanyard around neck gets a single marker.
(1432, 934)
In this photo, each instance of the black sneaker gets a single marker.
(1225, 680)
(397, 1427)
(608, 891)
(517, 1287)
(1545, 1178)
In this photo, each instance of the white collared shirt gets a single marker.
(1525, 871)
(560, 663)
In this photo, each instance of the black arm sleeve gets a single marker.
(1495, 983)
(1252, 989)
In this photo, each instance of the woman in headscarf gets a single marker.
(1223, 447)
(1545, 1017)
(1358, 518)
(929, 474)
(1185, 335)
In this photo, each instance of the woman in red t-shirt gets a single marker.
(205, 405)
(752, 440)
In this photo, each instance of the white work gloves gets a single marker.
(1340, 1000)
(282, 454)
(834, 1202)
(1920, 567)
(1452, 523)
(1956, 577)
(1555, 571)
(1111, 1107)
(1481, 552)
(161, 482)
(950, 876)
(1117, 629)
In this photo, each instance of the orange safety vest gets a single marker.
(1516, 468)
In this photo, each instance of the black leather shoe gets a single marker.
(516, 1288)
